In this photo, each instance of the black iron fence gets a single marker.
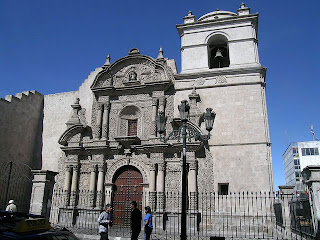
(244, 215)
(15, 184)
(301, 216)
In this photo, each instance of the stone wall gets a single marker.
(240, 142)
(57, 111)
(21, 127)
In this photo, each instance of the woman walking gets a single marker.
(147, 223)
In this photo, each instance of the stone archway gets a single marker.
(127, 187)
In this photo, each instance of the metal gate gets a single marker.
(127, 188)
(15, 184)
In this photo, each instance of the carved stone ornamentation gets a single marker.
(99, 204)
(161, 201)
(193, 203)
(66, 198)
(91, 199)
(162, 166)
(152, 200)
(193, 166)
(221, 79)
(152, 167)
(73, 198)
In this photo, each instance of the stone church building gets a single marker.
(103, 137)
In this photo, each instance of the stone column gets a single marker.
(311, 175)
(286, 195)
(93, 177)
(162, 103)
(153, 120)
(42, 188)
(67, 185)
(105, 121)
(74, 185)
(152, 186)
(160, 186)
(100, 189)
(192, 185)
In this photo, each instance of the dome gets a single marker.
(216, 15)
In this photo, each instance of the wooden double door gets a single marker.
(127, 188)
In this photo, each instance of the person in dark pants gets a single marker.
(104, 220)
(135, 221)
(147, 223)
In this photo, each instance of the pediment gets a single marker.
(134, 71)
(72, 135)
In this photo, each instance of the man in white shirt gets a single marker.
(104, 220)
(11, 207)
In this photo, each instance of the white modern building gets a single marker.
(298, 156)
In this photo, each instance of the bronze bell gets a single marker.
(218, 54)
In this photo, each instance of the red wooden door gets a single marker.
(127, 188)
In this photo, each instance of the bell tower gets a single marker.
(219, 39)
(220, 65)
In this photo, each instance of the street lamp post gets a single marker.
(208, 117)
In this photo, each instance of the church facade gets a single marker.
(103, 138)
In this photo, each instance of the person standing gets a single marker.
(11, 206)
(147, 223)
(135, 218)
(104, 220)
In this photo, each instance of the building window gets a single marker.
(129, 117)
(132, 127)
(295, 152)
(223, 188)
(310, 151)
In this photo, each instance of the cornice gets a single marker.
(197, 24)
(222, 71)
(134, 89)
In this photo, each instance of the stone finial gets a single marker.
(190, 18)
(160, 55)
(194, 94)
(107, 63)
(243, 10)
(134, 51)
(75, 119)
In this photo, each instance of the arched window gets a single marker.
(218, 52)
(129, 121)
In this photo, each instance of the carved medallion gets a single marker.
(221, 79)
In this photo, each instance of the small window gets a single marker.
(223, 188)
(310, 151)
(132, 127)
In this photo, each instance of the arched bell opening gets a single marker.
(218, 52)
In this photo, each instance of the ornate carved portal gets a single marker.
(127, 188)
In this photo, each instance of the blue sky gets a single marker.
(52, 46)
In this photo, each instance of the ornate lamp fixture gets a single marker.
(208, 117)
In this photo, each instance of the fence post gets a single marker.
(42, 187)
(285, 196)
(311, 177)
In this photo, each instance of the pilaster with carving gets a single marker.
(105, 121)
(192, 180)
(100, 187)
(67, 185)
(93, 170)
(152, 186)
(153, 128)
(74, 185)
(162, 103)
